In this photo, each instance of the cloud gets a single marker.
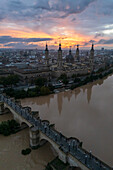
(92, 41)
(103, 41)
(25, 10)
(7, 39)
(20, 45)
(73, 19)
(65, 7)
(99, 35)
(82, 20)
(89, 42)
(43, 4)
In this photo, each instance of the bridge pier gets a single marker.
(1, 108)
(34, 137)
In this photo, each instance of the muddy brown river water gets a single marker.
(85, 113)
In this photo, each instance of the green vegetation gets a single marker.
(38, 91)
(64, 78)
(79, 75)
(44, 90)
(48, 167)
(74, 75)
(50, 86)
(76, 80)
(26, 151)
(9, 81)
(100, 70)
(40, 81)
(89, 78)
(57, 164)
(9, 127)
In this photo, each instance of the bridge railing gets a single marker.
(68, 145)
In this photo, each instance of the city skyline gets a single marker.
(29, 24)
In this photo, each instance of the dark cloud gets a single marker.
(20, 45)
(16, 5)
(37, 39)
(1, 17)
(103, 41)
(92, 41)
(43, 4)
(25, 10)
(66, 6)
(89, 42)
(7, 39)
(99, 35)
(96, 19)
(86, 43)
(74, 19)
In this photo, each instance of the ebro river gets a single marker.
(85, 113)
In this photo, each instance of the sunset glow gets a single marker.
(71, 22)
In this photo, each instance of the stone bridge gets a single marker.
(69, 150)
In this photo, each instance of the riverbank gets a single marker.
(10, 127)
(47, 90)
(91, 78)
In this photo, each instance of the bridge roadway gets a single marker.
(71, 147)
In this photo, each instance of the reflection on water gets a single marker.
(10, 152)
(85, 113)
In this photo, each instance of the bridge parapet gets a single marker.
(71, 147)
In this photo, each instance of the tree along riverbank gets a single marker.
(9, 127)
(91, 78)
(49, 89)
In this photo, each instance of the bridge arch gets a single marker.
(44, 141)
(16, 116)
(24, 125)
(62, 156)
(6, 110)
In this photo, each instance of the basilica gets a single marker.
(71, 65)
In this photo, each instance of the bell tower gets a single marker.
(70, 51)
(77, 53)
(92, 57)
(59, 61)
(47, 55)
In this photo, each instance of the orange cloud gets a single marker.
(66, 36)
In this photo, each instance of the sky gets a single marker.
(32, 23)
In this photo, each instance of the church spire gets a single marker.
(77, 53)
(92, 47)
(92, 57)
(46, 47)
(70, 50)
(46, 55)
(60, 47)
(59, 60)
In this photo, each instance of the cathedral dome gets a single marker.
(70, 58)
